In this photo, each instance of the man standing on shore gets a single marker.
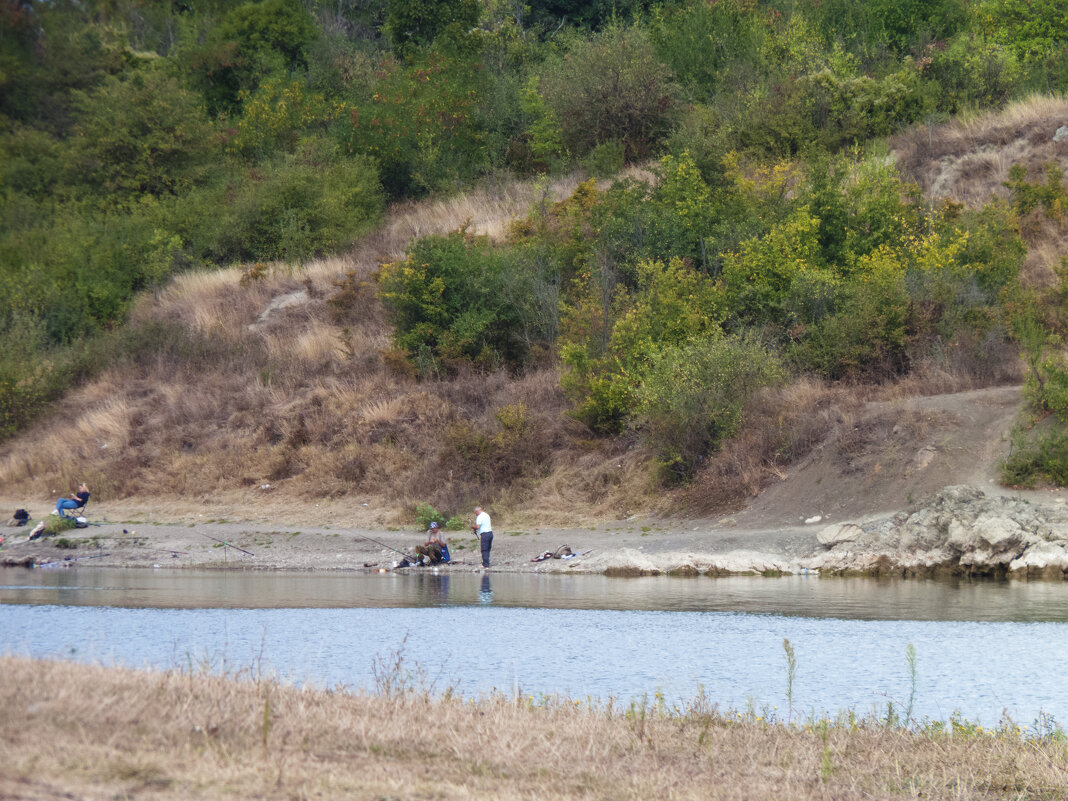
(483, 528)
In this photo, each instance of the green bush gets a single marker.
(414, 23)
(425, 514)
(32, 374)
(971, 73)
(758, 278)
(252, 41)
(1051, 196)
(868, 336)
(903, 24)
(448, 304)
(57, 525)
(276, 116)
(879, 29)
(1044, 456)
(606, 159)
(851, 109)
(76, 268)
(1036, 32)
(540, 147)
(140, 133)
(613, 337)
(299, 207)
(693, 396)
(710, 47)
(421, 124)
(611, 88)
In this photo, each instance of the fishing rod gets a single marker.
(136, 539)
(224, 542)
(376, 542)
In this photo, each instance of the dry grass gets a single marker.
(263, 381)
(968, 159)
(782, 427)
(93, 733)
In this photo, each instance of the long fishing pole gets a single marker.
(376, 542)
(224, 542)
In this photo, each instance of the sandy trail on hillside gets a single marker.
(896, 457)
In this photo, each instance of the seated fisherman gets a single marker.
(76, 501)
(431, 549)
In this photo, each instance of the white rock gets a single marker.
(751, 562)
(1000, 533)
(1061, 134)
(961, 537)
(1040, 555)
(810, 520)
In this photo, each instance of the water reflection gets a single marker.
(864, 599)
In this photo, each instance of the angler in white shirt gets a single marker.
(483, 529)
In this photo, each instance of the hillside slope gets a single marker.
(273, 393)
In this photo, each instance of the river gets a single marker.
(983, 649)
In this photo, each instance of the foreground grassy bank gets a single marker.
(89, 732)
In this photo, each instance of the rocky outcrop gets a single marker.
(963, 532)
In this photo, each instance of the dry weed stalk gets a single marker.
(74, 730)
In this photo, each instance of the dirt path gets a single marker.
(896, 457)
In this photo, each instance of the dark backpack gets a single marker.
(21, 516)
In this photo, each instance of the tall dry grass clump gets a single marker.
(77, 731)
(968, 161)
(782, 426)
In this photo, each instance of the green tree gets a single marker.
(415, 23)
(140, 133)
(420, 123)
(1036, 32)
(449, 306)
(612, 335)
(252, 41)
(611, 87)
(46, 51)
(301, 205)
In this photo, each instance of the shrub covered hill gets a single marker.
(568, 258)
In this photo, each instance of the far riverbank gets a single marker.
(960, 531)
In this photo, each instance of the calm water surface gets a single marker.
(983, 648)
